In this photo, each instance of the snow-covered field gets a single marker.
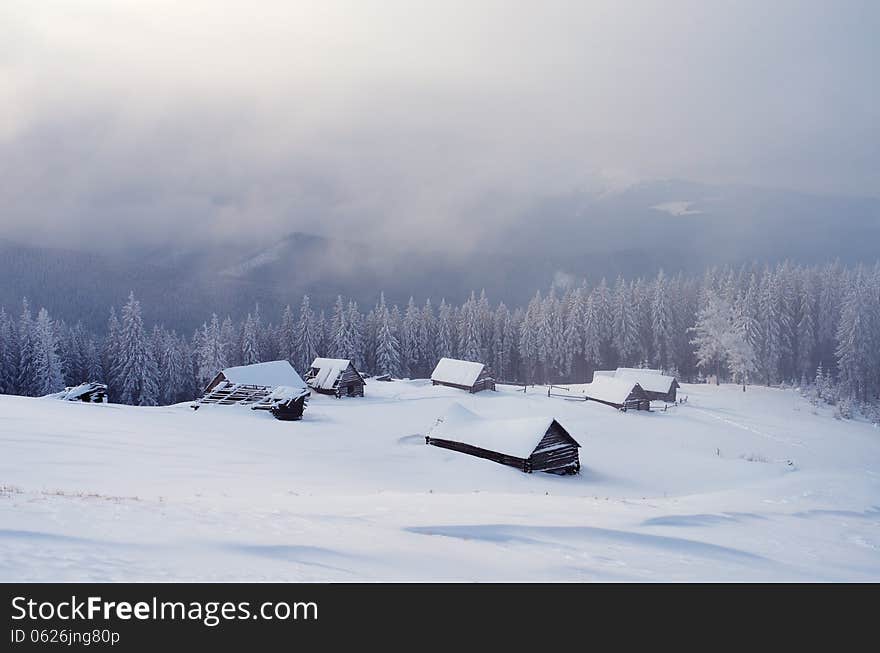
(704, 491)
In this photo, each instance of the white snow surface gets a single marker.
(731, 486)
(457, 372)
(270, 375)
(329, 370)
(515, 437)
(606, 388)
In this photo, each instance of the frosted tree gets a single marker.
(625, 336)
(211, 354)
(592, 348)
(306, 336)
(229, 343)
(339, 346)
(445, 332)
(573, 334)
(175, 373)
(427, 338)
(387, 344)
(8, 354)
(528, 338)
(857, 339)
(714, 323)
(501, 346)
(287, 336)
(469, 344)
(250, 341)
(47, 363)
(110, 353)
(662, 323)
(806, 327)
(136, 370)
(94, 366)
(27, 375)
(354, 339)
(409, 340)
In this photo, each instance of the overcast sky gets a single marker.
(205, 119)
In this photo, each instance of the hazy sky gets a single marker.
(206, 119)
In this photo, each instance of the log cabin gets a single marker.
(657, 386)
(335, 376)
(464, 375)
(531, 444)
(273, 386)
(623, 394)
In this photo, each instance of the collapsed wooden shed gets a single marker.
(464, 375)
(531, 444)
(623, 394)
(90, 392)
(273, 386)
(335, 376)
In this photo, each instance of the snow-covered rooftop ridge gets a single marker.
(328, 370)
(610, 389)
(512, 436)
(457, 372)
(650, 380)
(270, 374)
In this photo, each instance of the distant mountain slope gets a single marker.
(575, 236)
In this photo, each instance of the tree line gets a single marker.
(805, 325)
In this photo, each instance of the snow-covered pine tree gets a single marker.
(427, 339)
(250, 343)
(338, 345)
(409, 340)
(469, 344)
(110, 354)
(306, 336)
(229, 343)
(445, 332)
(211, 351)
(662, 323)
(8, 354)
(500, 346)
(712, 333)
(355, 339)
(528, 339)
(27, 374)
(136, 370)
(573, 334)
(625, 336)
(48, 376)
(387, 344)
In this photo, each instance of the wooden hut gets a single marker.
(623, 394)
(464, 375)
(335, 376)
(657, 386)
(273, 386)
(531, 444)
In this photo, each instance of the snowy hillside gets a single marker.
(729, 486)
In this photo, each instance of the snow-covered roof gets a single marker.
(514, 437)
(650, 380)
(605, 388)
(284, 393)
(328, 370)
(609, 373)
(456, 372)
(269, 375)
